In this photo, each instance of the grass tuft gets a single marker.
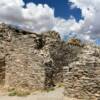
(21, 93)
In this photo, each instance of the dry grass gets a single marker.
(18, 92)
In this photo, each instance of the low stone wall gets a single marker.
(82, 77)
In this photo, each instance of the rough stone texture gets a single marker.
(42, 61)
(82, 77)
(27, 59)
(23, 67)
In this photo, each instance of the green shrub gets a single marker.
(13, 93)
(21, 93)
(50, 89)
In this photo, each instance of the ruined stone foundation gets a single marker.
(82, 77)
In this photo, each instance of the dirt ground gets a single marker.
(52, 95)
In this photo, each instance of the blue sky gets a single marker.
(62, 8)
(77, 17)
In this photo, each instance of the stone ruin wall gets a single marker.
(27, 59)
(21, 64)
(82, 77)
(41, 61)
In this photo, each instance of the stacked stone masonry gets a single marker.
(27, 58)
(82, 77)
(39, 61)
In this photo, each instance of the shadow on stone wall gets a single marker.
(2, 70)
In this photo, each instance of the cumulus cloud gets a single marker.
(90, 9)
(32, 17)
(40, 18)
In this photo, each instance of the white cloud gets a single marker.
(34, 17)
(66, 26)
(37, 18)
(40, 18)
(91, 12)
